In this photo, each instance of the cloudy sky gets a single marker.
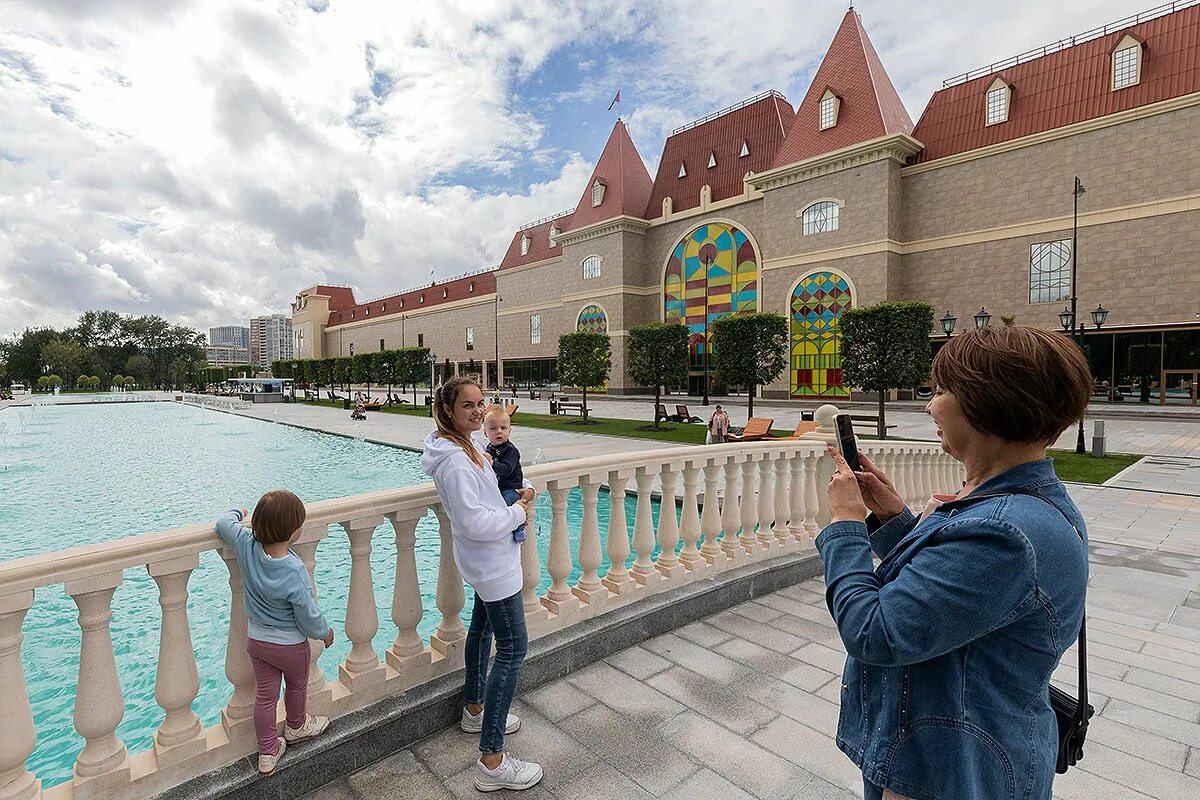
(204, 159)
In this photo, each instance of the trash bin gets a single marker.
(553, 406)
(345, 403)
(532, 394)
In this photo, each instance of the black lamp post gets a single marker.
(432, 364)
(982, 319)
(1075, 193)
(948, 322)
(497, 354)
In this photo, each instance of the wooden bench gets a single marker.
(684, 415)
(660, 414)
(757, 428)
(802, 427)
(566, 408)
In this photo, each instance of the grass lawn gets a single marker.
(1070, 465)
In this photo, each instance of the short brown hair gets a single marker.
(277, 516)
(1018, 383)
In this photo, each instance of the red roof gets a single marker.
(760, 123)
(415, 299)
(339, 296)
(869, 107)
(626, 182)
(1068, 86)
(539, 241)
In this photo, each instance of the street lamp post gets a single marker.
(948, 322)
(497, 334)
(432, 364)
(1075, 193)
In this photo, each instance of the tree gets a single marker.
(24, 358)
(363, 370)
(885, 347)
(49, 382)
(584, 360)
(63, 356)
(658, 356)
(343, 370)
(412, 367)
(750, 350)
(139, 367)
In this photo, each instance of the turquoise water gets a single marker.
(77, 475)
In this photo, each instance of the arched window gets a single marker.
(820, 217)
(591, 267)
(817, 304)
(997, 100)
(592, 319)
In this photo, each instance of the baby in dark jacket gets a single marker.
(506, 459)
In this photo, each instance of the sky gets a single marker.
(206, 159)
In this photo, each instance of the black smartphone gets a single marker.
(847, 444)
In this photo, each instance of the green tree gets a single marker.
(24, 357)
(363, 369)
(412, 368)
(63, 356)
(658, 356)
(750, 350)
(885, 347)
(584, 360)
(139, 367)
(49, 382)
(343, 371)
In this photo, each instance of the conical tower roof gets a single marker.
(623, 175)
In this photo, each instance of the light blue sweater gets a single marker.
(280, 605)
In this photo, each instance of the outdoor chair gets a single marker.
(802, 427)
(756, 429)
(684, 415)
(660, 414)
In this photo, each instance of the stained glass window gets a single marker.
(592, 319)
(1050, 271)
(816, 308)
(535, 328)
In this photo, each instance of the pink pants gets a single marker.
(272, 661)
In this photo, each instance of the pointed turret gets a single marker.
(620, 184)
(851, 99)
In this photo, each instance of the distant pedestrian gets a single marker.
(718, 426)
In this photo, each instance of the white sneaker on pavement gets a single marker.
(266, 763)
(472, 723)
(513, 773)
(313, 726)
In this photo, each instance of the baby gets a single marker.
(506, 459)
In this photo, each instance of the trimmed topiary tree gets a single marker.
(584, 360)
(750, 350)
(658, 356)
(886, 346)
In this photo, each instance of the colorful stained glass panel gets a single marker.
(816, 363)
(592, 319)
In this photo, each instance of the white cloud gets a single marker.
(204, 160)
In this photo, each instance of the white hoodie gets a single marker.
(481, 523)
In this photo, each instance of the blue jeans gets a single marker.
(506, 620)
(511, 496)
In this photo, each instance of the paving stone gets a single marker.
(1135, 773)
(744, 763)
(557, 700)
(449, 752)
(704, 784)
(1173, 654)
(703, 634)
(638, 662)
(756, 612)
(1137, 742)
(1149, 636)
(801, 706)
(700, 660)
(1152, 663)
(398, 777)
(1101, 636)
(626, 695)
(820, 789)
(819, 655)
(1161, 724)
(759, 658)
(813, 750)
(338, 790)
(1192, 767)
(1079, 784)
(1165, 684)
(757, 632)
(462, 787)
(808, 630)
(601, 779)
(643, 754)
(726, 705)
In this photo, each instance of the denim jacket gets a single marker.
(953, 638)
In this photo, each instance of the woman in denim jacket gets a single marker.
(953, 638)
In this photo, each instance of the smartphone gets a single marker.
(847, 444)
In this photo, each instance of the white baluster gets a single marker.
(668, 527)
(589, 589)
(450, 637)
(766, 502)
(177, 681)
(749, 507)
(408, 654)
(18, 736)
(99, 705)
(782, 507)
(559, 599)
(711, 551)
(796, 510)
(928, 477)
(643, 533)
(617, 579)
(825, 468)
(237, 718)
(361, 667)
(689, 525)
(731, 514)
(811, 501)
(320, 693)
(531, 572)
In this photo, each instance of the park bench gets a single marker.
(660, 414)
(568, 408)
(802, 427)
(684, 415)
(757, 428)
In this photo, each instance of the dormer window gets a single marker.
(383, 308)
(524, 245)
(597, 193)
(1126, 63)
(998, 97)
(554, 230)
(682, 170)
(422, 300)
(745, 148)
(402, 302)
(367, 311)
(712, 160)
(352, 313)
(445, 294)
(471, 286)
(828, 110)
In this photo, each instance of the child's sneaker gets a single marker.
(267, 764)
(313, 726)
(472, 723)
(513, 773)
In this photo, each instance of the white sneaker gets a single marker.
(472, 723)
(313, 726)
(513, 773)
(267, 764)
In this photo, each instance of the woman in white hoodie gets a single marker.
(490, 561)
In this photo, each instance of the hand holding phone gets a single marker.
(847, 444)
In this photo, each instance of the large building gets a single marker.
(842, 201)
(229, 336)
(270, 340)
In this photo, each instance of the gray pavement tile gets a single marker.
(1160, 665)
(726, 705)
(638, 662)
(813, 750)
(1192, 767)
(1173, 654)
(1186, 690)
(624, 694)
(755, 611)
(803, 707)
(701, 660)
(1149, 636)
(557, 700)
(1134, 773)
(1179, 631)
(1137, 742)
(338, 790)
(703, 634)
(1079, 784)
(1160, 724)
(704, 784)
(462, 787)
(790, 670)
(1115, 639)
(822, 633)
(398, 777)
(819, 655)
(756, 632)
(745, 764)
(820, 789)
(642, 753)
(448, 752)
(601, 779)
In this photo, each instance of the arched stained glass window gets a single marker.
(817, 304)
(821, 217)
(592, 319)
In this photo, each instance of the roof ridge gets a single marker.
(862, 42)
(749, 101)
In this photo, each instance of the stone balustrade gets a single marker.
(740, 502)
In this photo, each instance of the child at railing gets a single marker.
(282, 615)
(506, 460)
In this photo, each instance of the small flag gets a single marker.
(616, 99)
